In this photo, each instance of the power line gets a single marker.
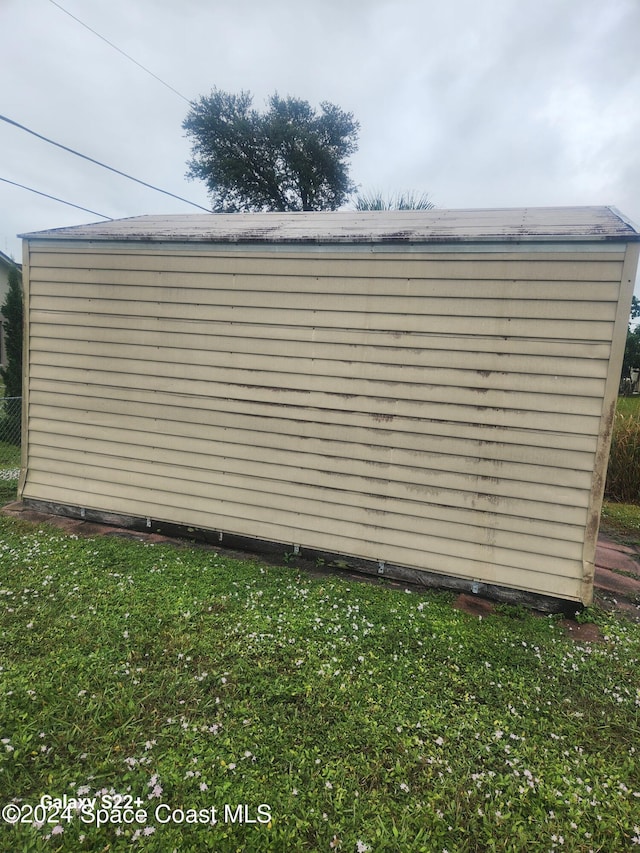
(115, 47)
(54, 198)
(103, 165)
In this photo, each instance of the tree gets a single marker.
(12, 373)
(287, 158)
(631, 359)
(12, 311)
(401, 201)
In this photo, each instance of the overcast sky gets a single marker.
(498, 103)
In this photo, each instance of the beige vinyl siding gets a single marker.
(434, 411)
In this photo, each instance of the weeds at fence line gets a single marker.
(10, 439)
(623, 473)
(11, 421)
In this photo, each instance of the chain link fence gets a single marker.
(10, 437)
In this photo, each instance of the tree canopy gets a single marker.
(631, 358)
(288, 158)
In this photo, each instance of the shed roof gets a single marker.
(531, 224)
(8, 262)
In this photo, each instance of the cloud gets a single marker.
(504, 102)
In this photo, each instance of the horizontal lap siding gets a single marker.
(440, 412)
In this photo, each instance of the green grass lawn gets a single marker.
(339, 715)
(621, 519)
(9, 455)
(629, 405)
(8, 491)
(9, 458)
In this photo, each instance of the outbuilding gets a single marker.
(428, 393)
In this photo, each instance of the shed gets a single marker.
(430, 393)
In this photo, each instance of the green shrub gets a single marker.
(12, 310)
(623, 474)
(11, 421)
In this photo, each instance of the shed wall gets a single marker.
(441, 410)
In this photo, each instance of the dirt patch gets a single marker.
(616, 604)
(585, 632)
(473, 605)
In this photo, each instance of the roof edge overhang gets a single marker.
(439, 226)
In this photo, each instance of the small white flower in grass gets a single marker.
(294, 791)
(148, 830)
(204, 786)
(58, 829)
(329, 786)
(125, 634)
(83, 790)
(404, 787)
(231, 766)
(439, 741)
